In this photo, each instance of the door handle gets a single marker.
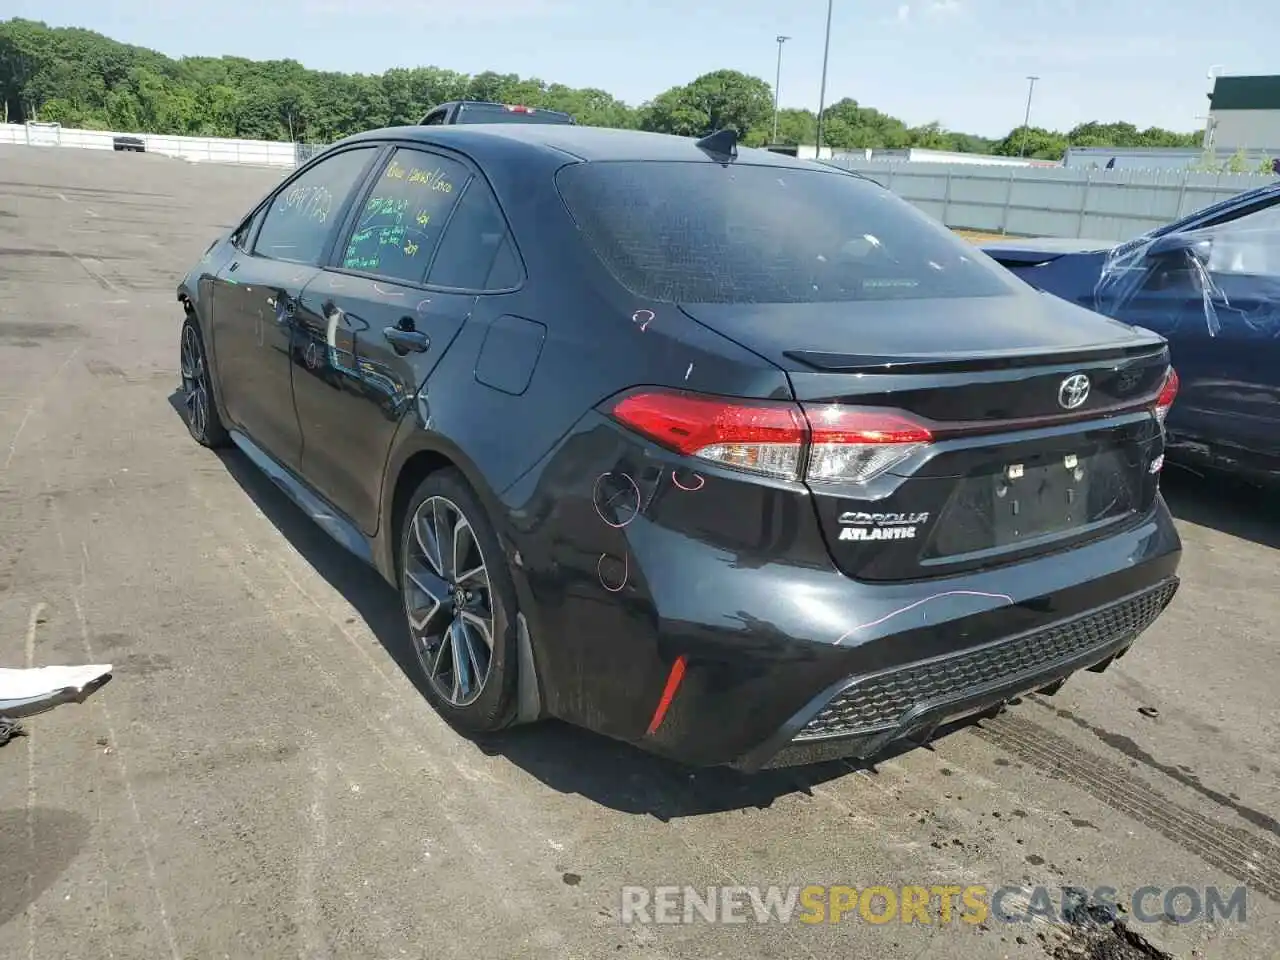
(405, 341)
(283, 307)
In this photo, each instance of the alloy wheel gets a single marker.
(195, 380)
(449, 601)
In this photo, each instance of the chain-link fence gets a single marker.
(305, 151)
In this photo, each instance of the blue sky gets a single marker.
(961, 62)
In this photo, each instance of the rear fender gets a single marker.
(414, 438)
(414, 441)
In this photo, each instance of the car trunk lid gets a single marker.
(1032, 430)
(1029, 252)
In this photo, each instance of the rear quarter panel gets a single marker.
(595, 340)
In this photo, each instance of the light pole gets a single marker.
(1026, 120)
(1210, 122)
(777, 86)
(822, 93)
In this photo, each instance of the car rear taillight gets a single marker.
(856, 444)
(760, 436)
(1167, 395)
(516, 108)
(830, 443)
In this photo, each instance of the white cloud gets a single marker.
(942, 8)
(904, 13)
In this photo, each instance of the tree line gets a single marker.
(83, 79)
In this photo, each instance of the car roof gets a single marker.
(577, 142)
(491, 103)
(1241, 201)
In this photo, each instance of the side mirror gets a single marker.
(1180, 245)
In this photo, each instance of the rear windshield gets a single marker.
(702, 232)
(470, 114)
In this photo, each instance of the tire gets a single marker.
(198, 406)
(449, 606)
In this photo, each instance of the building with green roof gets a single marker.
(1244, 113)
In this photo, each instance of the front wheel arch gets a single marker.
(191, 312)
(200, 407)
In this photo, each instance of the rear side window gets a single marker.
(703, 232)
(402, 219)
(477, 234)
(302, 218)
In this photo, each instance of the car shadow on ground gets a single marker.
(37, 845)
(1223, 503)
(621, 777)
(565, 758)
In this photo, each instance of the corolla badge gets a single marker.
(857, 525)
(1073, 391)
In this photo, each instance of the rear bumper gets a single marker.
(781, 693)
(702, 618)
(861, 716)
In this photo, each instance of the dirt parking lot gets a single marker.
(262, 779)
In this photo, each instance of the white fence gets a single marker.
(1053, 202)
(207, 149)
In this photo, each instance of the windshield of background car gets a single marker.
(705, 232)
(470, 114)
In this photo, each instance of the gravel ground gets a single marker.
(262, 779)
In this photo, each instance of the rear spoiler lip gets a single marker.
(865, 363)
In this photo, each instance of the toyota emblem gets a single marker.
(1073, 391)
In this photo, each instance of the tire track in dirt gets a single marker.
(1250, 858)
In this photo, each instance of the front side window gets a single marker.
(302, 218)
(244, 233)
(241, 236)
(703, 232)
(400, 223)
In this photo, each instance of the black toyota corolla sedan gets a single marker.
(731, 456)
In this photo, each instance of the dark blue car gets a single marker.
(1210, 284)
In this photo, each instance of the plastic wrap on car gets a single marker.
(1235, 266)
